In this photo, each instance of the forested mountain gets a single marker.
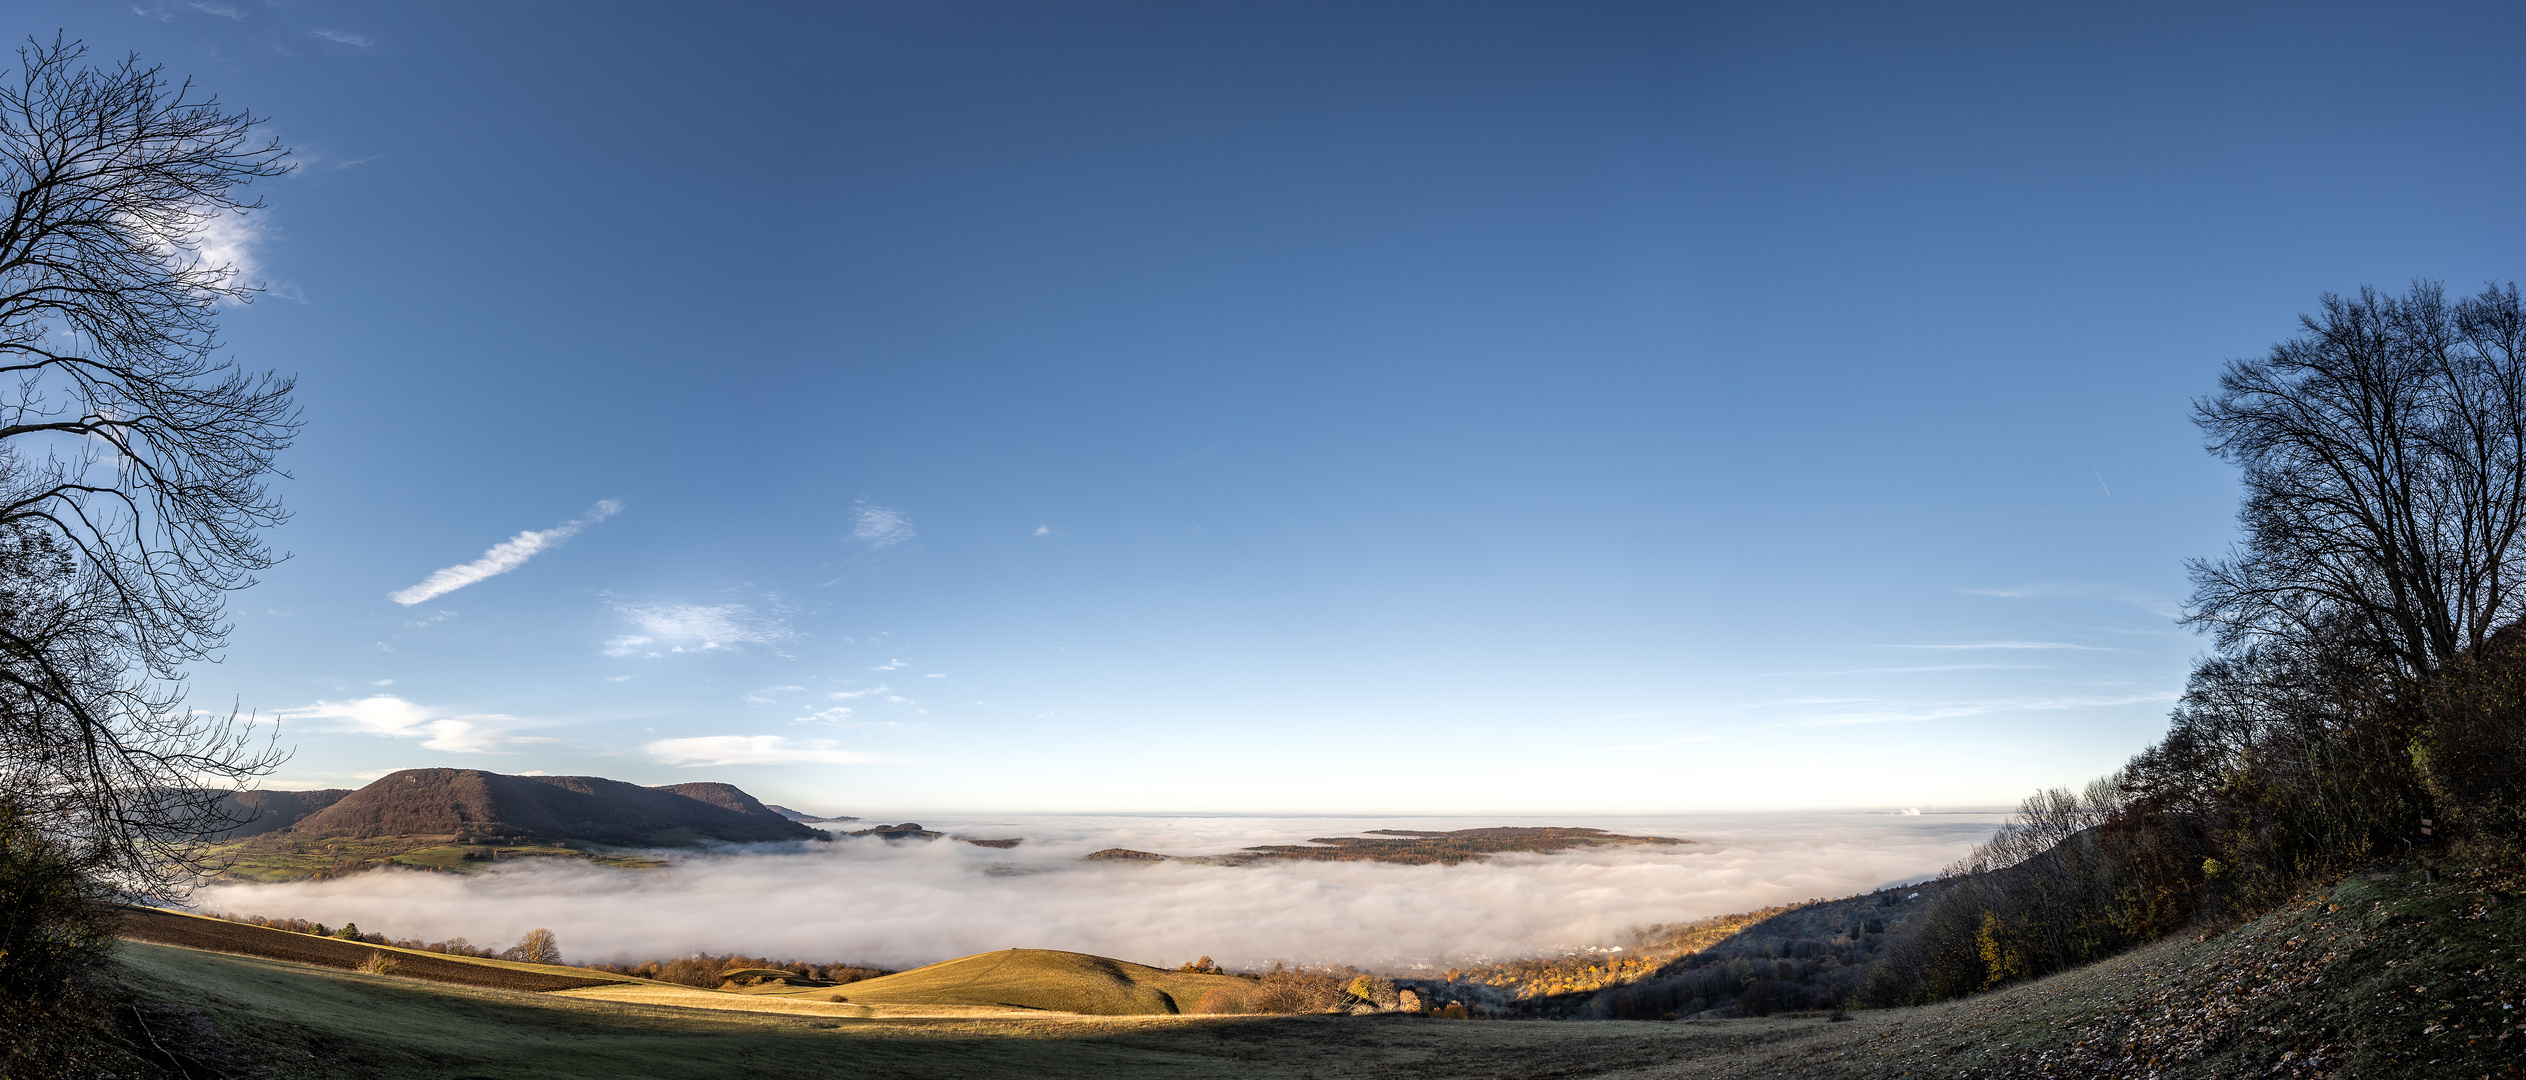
(471, 803)
(257, 812)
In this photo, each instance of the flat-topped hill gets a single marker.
(1419, 846)
(472, 803)
(1411, 847)
(1051, 980)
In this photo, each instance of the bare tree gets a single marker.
(539, 946)
(2384, 451)
(133, 460)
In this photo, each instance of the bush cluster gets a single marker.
(704, 971)
(1289, 989)
(2368, 697)
(2284, 765)
(54, 919)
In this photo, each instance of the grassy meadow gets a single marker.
(2402, 974)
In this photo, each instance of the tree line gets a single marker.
(538, 946)
(2366, 696)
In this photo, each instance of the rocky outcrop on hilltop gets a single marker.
(724, 796)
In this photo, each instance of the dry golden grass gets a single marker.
(1047, 980)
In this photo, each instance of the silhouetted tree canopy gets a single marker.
(2368, 696)
(133, 459)
(2384, 458)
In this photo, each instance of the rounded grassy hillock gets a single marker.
(1051, 980)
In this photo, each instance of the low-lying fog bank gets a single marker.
(910, 903)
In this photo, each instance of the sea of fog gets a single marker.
(908, 903)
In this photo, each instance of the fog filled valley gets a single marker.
(1438, 541)
(906, 903)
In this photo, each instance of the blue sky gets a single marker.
(1302, 408)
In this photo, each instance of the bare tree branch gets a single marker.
(2384, 451)
(134, 462)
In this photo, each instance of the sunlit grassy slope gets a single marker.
(1006, 983)
(1049, 980)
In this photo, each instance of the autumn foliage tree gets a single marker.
(539, 946)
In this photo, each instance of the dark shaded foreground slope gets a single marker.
(2389, 975)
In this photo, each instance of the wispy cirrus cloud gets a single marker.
(345, 37)
(878, 693)
(880, 526)
(166, 12)
(503, 557)
(1662, 744)
(2153, 602)
(2022, 645)
(388, 716)
(752, 750)
(226, 243)
(1897, 670)
(673, 627)
(1866, 711)
(842, 716)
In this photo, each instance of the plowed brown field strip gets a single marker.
(164, 928)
